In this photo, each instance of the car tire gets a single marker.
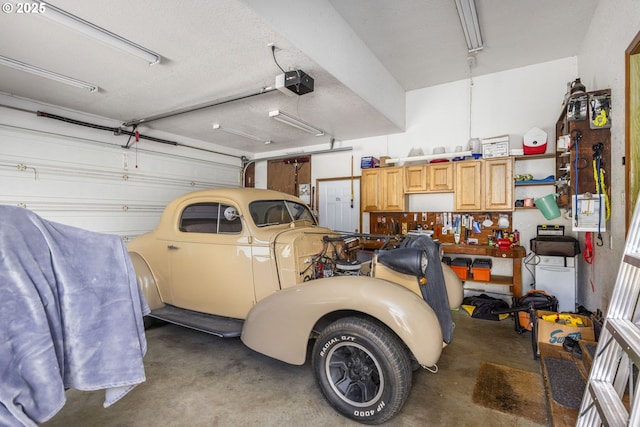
(363, 369)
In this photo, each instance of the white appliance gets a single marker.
(558, 276)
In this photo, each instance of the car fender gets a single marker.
(280, 325)
(455, 290)
(146, 281)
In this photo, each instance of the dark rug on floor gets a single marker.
(513, 391)
(565, 382)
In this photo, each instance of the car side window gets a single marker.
(208, 218)
(275, 212)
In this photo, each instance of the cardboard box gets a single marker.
(383, 161)
(369, 162)
(496, 146)
(554, 333)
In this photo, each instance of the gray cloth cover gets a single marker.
(70, 317)
(435, 291)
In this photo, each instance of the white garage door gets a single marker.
(82, 177)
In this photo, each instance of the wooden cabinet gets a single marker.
(441, 177)
(416, 179)
(382, 190)
(484, 185)
(429, 178)
(498, 184)
(468, 190)
(370, 190)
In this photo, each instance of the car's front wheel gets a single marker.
(363, 369)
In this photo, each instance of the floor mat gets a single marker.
(510, 390)
(565, 382)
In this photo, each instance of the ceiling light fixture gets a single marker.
(47, 74)
(469, 20)
(78, 24)
(240, 133)
(290, 120)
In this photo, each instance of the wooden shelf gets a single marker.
(516, 254)
(533, 183)
(536, 156)
(495, 280)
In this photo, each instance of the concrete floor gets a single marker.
(195, 379)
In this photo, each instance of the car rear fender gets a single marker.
(280, 325)
(146, 281)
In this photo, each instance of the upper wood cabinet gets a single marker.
(370, 190)
(441, 177)
(485, 185)
(416, 179)
(468, 189)
(429, 178)
(382, 190)
(498, 184)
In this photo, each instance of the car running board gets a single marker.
(224, 327)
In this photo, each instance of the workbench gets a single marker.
(516, 253)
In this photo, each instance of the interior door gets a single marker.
(210, 258)
(287, 175)
(336, 209)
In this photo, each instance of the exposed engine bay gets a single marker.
(343, 255)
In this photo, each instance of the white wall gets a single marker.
(601, 65)
(510, 102)
(83, 177)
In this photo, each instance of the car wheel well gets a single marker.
(329, 318)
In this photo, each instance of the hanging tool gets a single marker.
(598, 176)
(576, 135)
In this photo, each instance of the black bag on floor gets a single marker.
(540, 300)
(484, 304)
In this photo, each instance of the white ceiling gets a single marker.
(363, 55)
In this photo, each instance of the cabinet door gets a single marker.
(441, 177)
(468, 185)
(370, 191)
(415, 179)
(498, 184)
(392, 189)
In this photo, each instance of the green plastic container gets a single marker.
(548, 206)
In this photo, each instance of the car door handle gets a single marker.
(172, 247)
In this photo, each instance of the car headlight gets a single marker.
(411, 261)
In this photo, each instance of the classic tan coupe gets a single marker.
(255, 264)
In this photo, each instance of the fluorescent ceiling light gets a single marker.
(47, 74)
(240, 133)
(98, 33)
(290, 120)
(470, 26)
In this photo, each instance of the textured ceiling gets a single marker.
(218, 50)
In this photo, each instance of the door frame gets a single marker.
(632, 130)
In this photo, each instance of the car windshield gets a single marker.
(274, 212)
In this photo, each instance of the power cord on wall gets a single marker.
(531, 259)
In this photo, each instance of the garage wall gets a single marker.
(601, 64)
(83, 177)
